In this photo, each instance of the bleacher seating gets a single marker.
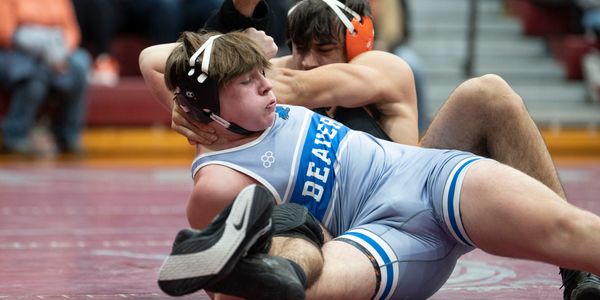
(570, 50)
(130, 102)
(539, 19)
(559, 23)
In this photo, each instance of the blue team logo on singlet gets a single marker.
(283, 112)
(316, 177)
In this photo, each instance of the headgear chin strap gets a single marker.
(198, 95)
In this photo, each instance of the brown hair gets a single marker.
(233, 54)
(315, 20)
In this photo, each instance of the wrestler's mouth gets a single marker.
(272, 104)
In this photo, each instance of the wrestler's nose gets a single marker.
(266, 86)
(309, 61)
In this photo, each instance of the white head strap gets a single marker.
(335, 6)
(207, 49)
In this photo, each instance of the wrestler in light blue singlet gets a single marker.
(396, 203)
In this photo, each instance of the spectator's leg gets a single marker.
(69, 120)
(591, 21)
(27, 97)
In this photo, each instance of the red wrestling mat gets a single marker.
(81, 232)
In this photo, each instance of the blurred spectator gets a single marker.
(392, 32)
(591, 17)
(39, 57)
(197, 12)
(277, 27)
(268, 15)
(98, 23)
(158, 20)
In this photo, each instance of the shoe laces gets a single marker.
(571, 276)
(567, 276)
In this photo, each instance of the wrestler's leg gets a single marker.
(507, 213)
(487, 117)
(305, 254)
(333, 270)
(346, 274)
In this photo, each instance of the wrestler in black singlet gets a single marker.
(229, 19)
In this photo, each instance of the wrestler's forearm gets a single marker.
(362, 81)
(326, 86)
(152, 65)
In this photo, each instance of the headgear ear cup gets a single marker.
(359, 30)
(362, 39)
(197, 92)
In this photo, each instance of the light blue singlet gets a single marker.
(397, 203)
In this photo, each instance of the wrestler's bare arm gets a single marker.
(374, 77)
(215, 187)
(152, 65)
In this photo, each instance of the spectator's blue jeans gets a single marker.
(30, 84)
(591, 19)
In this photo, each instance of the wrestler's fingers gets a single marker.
(266, 42)
(193, 138)
(205, 131)
(195, 132)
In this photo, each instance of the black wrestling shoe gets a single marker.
(263, 277)
(201, 258)
(580, 285)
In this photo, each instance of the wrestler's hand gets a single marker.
(195, 132)
(264, 41)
